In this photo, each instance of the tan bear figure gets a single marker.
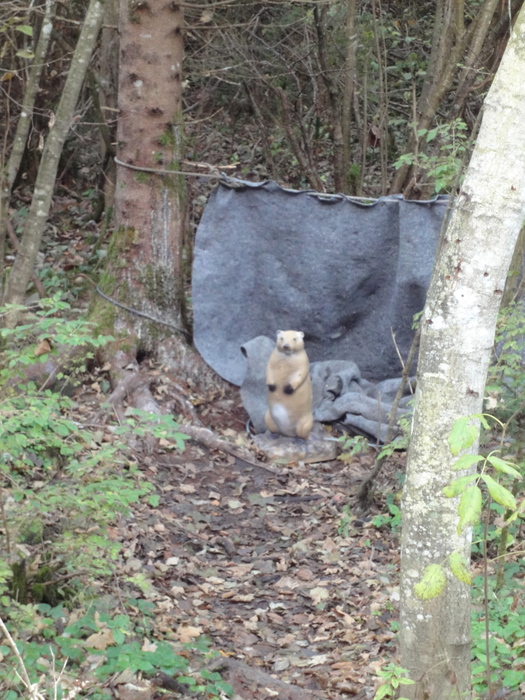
(289, 387)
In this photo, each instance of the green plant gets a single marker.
(443, 165)
(505, 387)
(463, 435)
(64, 484)
(115, 642)
(393, 677)
(506, 632)
(392, 518)
(352, 445)
(497, 629)
(343, 528)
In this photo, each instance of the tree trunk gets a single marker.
(350, 176)
(448, 46)
(145, 258)
(109, 52)
(22, 128)
(472, 58)
(332, 90)
(26, 257)
(458, 327)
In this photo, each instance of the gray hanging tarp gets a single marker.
(343, 271)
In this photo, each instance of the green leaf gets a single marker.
(25, 53)
(465, 462)
(432, 582)
(501, 465)
(382, 691)
(469, 508)
(459, 567)
(458, 485)
(499, 493)
(462, 436)
(25, 29)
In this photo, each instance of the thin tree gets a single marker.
(34, 228)
(24, 123)
(458, 326)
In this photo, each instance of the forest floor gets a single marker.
(291, 582)
(294, 586)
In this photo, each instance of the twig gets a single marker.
(364, 490)
(64, 577)
(486, 603)
(251, 675)
(32, 688)
(6, 528)
(210, 440)
(131, 310)
(160, 171)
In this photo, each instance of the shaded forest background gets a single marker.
(361, 97)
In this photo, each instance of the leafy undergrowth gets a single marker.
(131, 563)
(135, 561)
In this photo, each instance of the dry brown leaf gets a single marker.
(131, 691)
(185, 633)
(318, 594)
(100, 640)
(148, 646)
(44, 347)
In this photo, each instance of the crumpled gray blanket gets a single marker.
(346, 272)
(339, 392)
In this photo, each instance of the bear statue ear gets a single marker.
(300, 333)
(279, 333)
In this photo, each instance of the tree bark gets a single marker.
(473, 53)
(26, 257)
(458, 328)
(145, 259)
(23, 125)
(450, 40)
(350, 179)
(333, 100)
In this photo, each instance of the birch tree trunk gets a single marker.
(26, 257)
(458, 328)
(22, 128)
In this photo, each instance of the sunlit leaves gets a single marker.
(469, 507)
(432, 582)
(462, 436)
(499, 493)
(466, 461)
(501, 465)
(459, 567)
(458, 485)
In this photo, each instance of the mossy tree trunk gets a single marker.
(145, 259)
(458, 326)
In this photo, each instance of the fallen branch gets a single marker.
(32, 688)
(241, 672)
(210, 440)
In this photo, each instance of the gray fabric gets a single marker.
(253, 390)
(342, 271)
(339, 392)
